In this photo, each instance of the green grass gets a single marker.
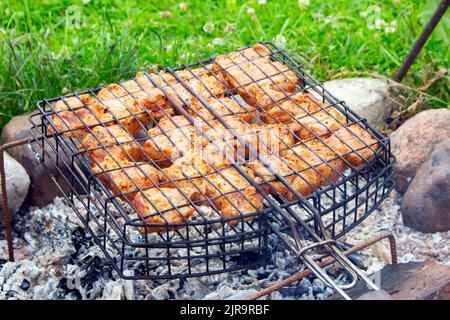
(46, 52)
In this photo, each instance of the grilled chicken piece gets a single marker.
(296, 106)
(266, 178)
(170, 145)
(126, 177)
(232, 194)
(93, 112)
(189, 170)
(354, 143)
(113, 141)
(316, 163)
(305, 167)
(257, 79)
(128, 112)
(268, 139)
(222, 107)
(244, 137)
(205, 86)
(166, 124)
(318, 124)
(72, 116)
(165, 207)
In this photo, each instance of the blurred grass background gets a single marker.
(49, 48)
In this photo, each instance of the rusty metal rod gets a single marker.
(328, 261)
(415, 50)
(6, 217)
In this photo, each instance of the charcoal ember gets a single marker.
(25, 285)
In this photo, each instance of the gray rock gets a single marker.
(18, 128)
(17, 183)
(367, 97)
(413, 142)
(426, 205)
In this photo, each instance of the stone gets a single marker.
(367, 97)
(18, 128)
(413, 142)
(17, 184)
(426, 204)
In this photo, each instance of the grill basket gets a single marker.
(208, 242)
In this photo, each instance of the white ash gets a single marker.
(57, 260)
(412, 245)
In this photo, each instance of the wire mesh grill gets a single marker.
(184, 172)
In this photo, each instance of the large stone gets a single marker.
(413, 142)
(367, 97)
(17, 183)
(43, 189)
(426, 205)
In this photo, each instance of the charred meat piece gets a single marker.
(354, 143)
(205, 86)
(189, 170)
(128, 111)
(265, 176)
(165, 207)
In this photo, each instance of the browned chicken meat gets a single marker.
(354, 143)
(113, 141)
(296, 106)
(125, 177)
(73, 115)
(318, 124)
(77, 117)
(305, 167)
(258, 79)
(246, 137)
(316, 163)
(232, 194)
(163, 208)
(172, 144)
(161, 100)
(265, 176)
(222, 107)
